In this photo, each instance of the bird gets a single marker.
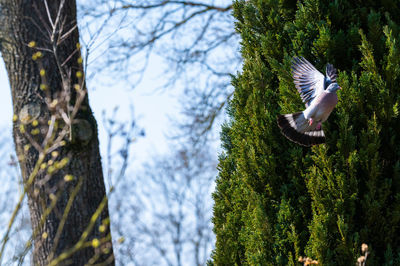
(318, 93)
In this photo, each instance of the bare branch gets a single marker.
(48, 14)
(183, 3)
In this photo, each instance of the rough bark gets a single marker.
(23, 21)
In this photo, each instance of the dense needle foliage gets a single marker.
(275, 200)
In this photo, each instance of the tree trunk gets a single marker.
(59, 158)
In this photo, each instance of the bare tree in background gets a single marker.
(161, 215)
(197, 39)
(198, 42)
(10, 190)
(124, 206)
(174, 201)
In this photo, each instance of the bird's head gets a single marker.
(333, 87)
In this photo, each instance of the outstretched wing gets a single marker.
(331, 73)
(309, 81)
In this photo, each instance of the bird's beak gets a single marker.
(340, 88)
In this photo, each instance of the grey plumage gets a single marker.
(296, 128)
(318, 92)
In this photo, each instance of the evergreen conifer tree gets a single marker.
(275, 200)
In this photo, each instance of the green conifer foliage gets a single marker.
(275, 200)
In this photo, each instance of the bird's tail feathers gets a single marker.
(297, 129)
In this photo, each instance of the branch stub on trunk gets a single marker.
(29, 112)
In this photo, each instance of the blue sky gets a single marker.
(5, 99)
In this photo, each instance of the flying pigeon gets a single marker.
(318, 92)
